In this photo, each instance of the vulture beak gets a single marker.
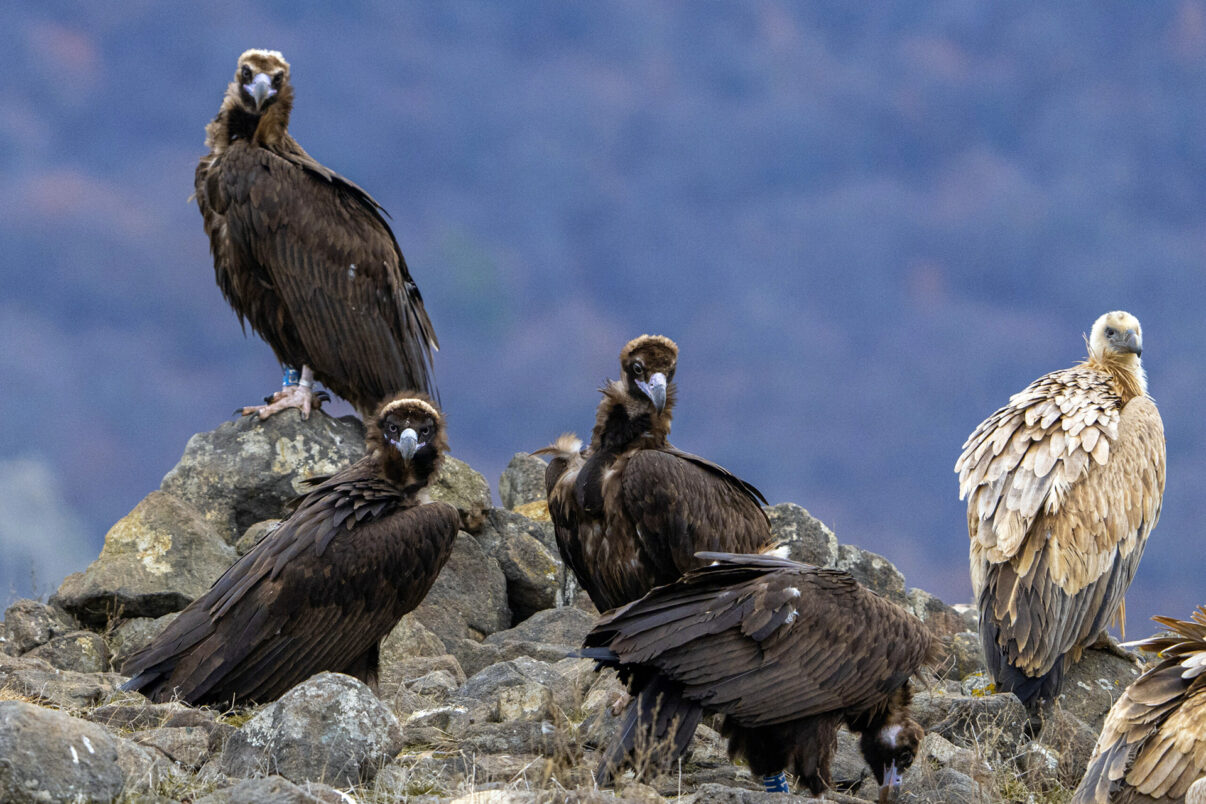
(407, 443)
(260, 89)
(1132, 343)
(655, 389)
(890, 789)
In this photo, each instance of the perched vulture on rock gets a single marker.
(1063, 486)
(1152, 747)
(787, 653)
(321, 591)
(631, 511)
(304, 255)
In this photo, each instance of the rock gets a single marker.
(272, 790)
(536, 511)
(468, 599)
(937, 752)
(254, 535)
(807, 539)
(522, 481)
(942, 619)
(134, 634)
(138, 714)
(527, 553)
(849, 768)
(156, 560)
(37, 680)
(187, 745)
(991, 725)
(722, 794)
(964, 656)
(943, 786)
(328, 728)
(459, 485)
(28, 624)
(564, 627)
(145, 770)
(82, 651)
(873, 571)
(1074, 741)
(483, 691)
(46, 755)
(476, 656)
(1093, 684)
(246, 470)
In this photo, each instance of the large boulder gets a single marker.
(330, 728)
(246, 470)
(82, 651)
(28, 624)
(806, 537)
(46, 755)
(156, 560)
(469, 598)
(37, 680)
(464, 488)
(522, 482)
(527, 554)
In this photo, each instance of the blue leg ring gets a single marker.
(776, 783)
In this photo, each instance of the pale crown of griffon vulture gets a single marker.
(304, 255)
(1152, 746)
(1063, 486)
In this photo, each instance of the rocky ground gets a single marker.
(478, 700)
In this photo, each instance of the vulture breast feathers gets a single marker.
(631, 511)
(304, 255)
(322, 590)
(786, 652)
(1152, 747)
(1063, 486)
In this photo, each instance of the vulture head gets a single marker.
(648, 363)
(261, 81)
(889, 752)
(1115, 345)
(407, 436)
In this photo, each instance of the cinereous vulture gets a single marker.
(787, 653)
(306, 256)
(1063, 486)
(323, 589)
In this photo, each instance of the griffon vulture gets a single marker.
(304, 255)
(1063, 486)
(631, 511)
(321, 591)
(787, 653)
(1152, 747)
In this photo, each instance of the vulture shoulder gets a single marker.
(279, 218)
(1153, 742)
(768, 640)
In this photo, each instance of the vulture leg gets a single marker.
(1108, 644)
(293, 394)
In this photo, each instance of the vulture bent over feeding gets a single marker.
(631, 511)
(322, 590)
(1063, 486)
(787, 653)
(305, 256)
(1152, 746)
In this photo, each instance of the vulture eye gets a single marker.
(276, 79)
(426, 431)
(391, 428)
(1110, 332)
(245, 73)
(638, 369)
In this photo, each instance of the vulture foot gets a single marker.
(1107, 643)
(291, 396)
(621, 703)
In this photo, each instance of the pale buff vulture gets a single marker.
(1063, 486)
(1153, 744)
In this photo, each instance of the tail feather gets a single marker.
(656, 730)
(1032, 691)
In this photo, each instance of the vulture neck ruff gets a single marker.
(625, 421)
(1125, 371)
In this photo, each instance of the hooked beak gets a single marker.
(260, 89)
(407, 443)
(1132, 343)
(655, 389)
(890, 789)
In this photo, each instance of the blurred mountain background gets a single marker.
(866, 225)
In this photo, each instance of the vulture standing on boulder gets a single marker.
(1063, 486)
(631, 511)
(1152, 747)
(305, 256)
(787, 653)
(320, 592)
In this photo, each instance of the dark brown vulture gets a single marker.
(1152, 747)
(631, 511)
(1063, 486)
(787, 653)
(321, 591)
(304, 255)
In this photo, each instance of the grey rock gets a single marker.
(468, 599)
(848, 767)
(723, 794)
(155, 560)
(1093, 684)
(139, 714)
(937, 752)
(329, 728)
(134, 634)
(485, 688)
(532, 567)
(246, 470)
(28, 624)
(807, 538)
(1074, 741)
(522, 481)
(82, 651)
(565, 627)
(992, 724)
(873, 571)
(964, 656)
(437, 684)
(511, 737)
(267, 790)
(476, 656)
(942, 619)
(943, 786)
(37, 679)
(461, 486)
(145, 770)
(254, 535)
(187, 745)
(46, 755)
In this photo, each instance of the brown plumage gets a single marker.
(321, 591)
(787, 653)
(1152, 746)
(631, 511)
(1063, 486)
(304, 255)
